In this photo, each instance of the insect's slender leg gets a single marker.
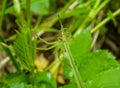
(48, 43)
(51, 47)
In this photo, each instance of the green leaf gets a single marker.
(11, 79)
(40, 6)
(25, 48)
(81, 45)
(89, 63)
(107, 79)
(22, 85)
(96, 62)
(45, 80)
(67, 70)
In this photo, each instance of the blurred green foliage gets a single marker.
(82, 18)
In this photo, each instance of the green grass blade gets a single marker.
(7, 50)
(2, 14)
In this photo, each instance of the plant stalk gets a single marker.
(104, 21)
(28, 13)
(97, 7)
(2, 14)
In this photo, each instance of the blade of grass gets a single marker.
(28, 13)
(97, 7)
(7, 50)
(2, 14)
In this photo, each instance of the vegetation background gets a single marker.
(59, 44)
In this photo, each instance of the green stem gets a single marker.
(2, 14)
(92, 15)
(28, 13)
(100, 7)
(104, 21)
(51, 22)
